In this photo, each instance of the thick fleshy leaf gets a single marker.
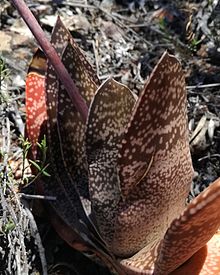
(143, 261)
(184, 249)
(155, 165)
(36, 116)
(157, 124)
(70, 128)
(79, 243)
(205, 261)
(70, 124)
(61, 36)
(68, 205)
(212, 262)
(35, 99)
(108, 116)
(191, 231)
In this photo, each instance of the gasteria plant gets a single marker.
(122, 178)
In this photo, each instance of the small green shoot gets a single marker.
(9, 226)
(39, 165)
(194, 44)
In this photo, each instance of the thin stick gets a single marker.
(37, 197)
(52, 56)
(203, 86)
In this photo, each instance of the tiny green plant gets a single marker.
(194, 43)
(39, 165)
(9, 226)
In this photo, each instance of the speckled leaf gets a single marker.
(182, 251)
(70, 124)
(108, 116)
(79, 243)
(67, 205)
(59, 184)
(35, 99)
(158, 122)
(62, 35)
(143, 261)
(212, 262)
(36, 115)
(71, 127)
(191, 231)
(205, 261)
(155, 164)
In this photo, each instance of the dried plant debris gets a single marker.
(21, 248)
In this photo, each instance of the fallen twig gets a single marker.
(37, 197)
(203, 86)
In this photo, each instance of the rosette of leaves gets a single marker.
(121, 179)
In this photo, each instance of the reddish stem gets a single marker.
(53, 57)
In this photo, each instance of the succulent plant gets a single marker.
(121, 179)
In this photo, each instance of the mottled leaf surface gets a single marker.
(60, 36)
(154, 165)
(108, 116)
(212, 262)
(205, 261)
(186, 247)
(35, 99)
(158, 122)
(143, 261)
(191, 231)
(67, 205)
(70, 124)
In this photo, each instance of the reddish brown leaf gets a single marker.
(109, 114)
(155, 165)
(68, 205)
(35, 99)
(191, 231)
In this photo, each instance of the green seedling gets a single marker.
(194, 44)
(9, 226)
(39, 165)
